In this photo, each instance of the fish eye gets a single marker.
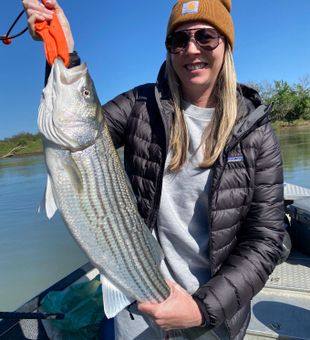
(86, 93)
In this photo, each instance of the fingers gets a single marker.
(173, 285)
(151, 307)
(51, 4)
(35, 7)
(179, 310)
(147, 307)
(66, 27)
(36, 11)
(175, 290)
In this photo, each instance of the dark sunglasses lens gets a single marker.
(177, 41)
(207, 38)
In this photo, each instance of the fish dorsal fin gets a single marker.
(48, 203)
(114, 300)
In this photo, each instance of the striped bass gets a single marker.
(88, 185)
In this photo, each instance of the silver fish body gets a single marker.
(90, 188)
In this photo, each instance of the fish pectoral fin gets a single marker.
(48, 203)
(114, 300)
(74, 174)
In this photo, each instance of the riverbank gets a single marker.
(21, 145)
(296, 123)
(26, 144)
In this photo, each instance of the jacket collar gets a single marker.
(251, 114)
(162, 83)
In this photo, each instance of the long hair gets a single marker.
(216, 134)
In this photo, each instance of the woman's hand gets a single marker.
(178, 311)
(37, 12)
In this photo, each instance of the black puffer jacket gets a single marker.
(246, 199)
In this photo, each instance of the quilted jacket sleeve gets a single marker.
(259, 244)
(116, 112)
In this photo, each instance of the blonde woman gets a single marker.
(206, 170)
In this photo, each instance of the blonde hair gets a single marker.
(218, 131)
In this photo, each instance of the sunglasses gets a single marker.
(206, 38)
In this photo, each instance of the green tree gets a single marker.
(290, 102)
(302, 105)
(284, 101)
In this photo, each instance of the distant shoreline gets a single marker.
(22, 144)
(31, 150)
(285, 125)
(26, 154)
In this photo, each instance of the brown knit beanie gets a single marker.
(214, 12)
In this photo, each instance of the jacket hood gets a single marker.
(162, 83)
(251, 113)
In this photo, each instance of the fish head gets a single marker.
(70, 113)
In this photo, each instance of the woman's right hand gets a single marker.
(38, 12)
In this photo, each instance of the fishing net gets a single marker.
(82, 307)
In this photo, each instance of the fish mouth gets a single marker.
(59, 127)
(66, 75)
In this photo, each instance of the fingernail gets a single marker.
(49, 3)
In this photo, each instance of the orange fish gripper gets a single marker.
(55, 44)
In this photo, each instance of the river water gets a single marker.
(36, 252)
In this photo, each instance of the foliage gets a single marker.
(25, 143)
(290, 102)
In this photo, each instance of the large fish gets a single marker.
(88, 185)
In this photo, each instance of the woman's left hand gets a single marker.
(178, 311)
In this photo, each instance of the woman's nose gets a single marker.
(193, 47)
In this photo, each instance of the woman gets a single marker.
(206, 170)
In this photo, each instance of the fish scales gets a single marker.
(121, 243)
(120, 222)
(123, 205)
(92, 193)
(125, 249)
(141, 244)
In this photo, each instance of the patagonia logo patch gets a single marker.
(238, 158)
(190, 7)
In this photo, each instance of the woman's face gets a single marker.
(195, 66)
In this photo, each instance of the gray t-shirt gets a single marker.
(182, 228)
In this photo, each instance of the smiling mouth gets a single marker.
(194, 67)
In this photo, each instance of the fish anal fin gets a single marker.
(114, 300)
